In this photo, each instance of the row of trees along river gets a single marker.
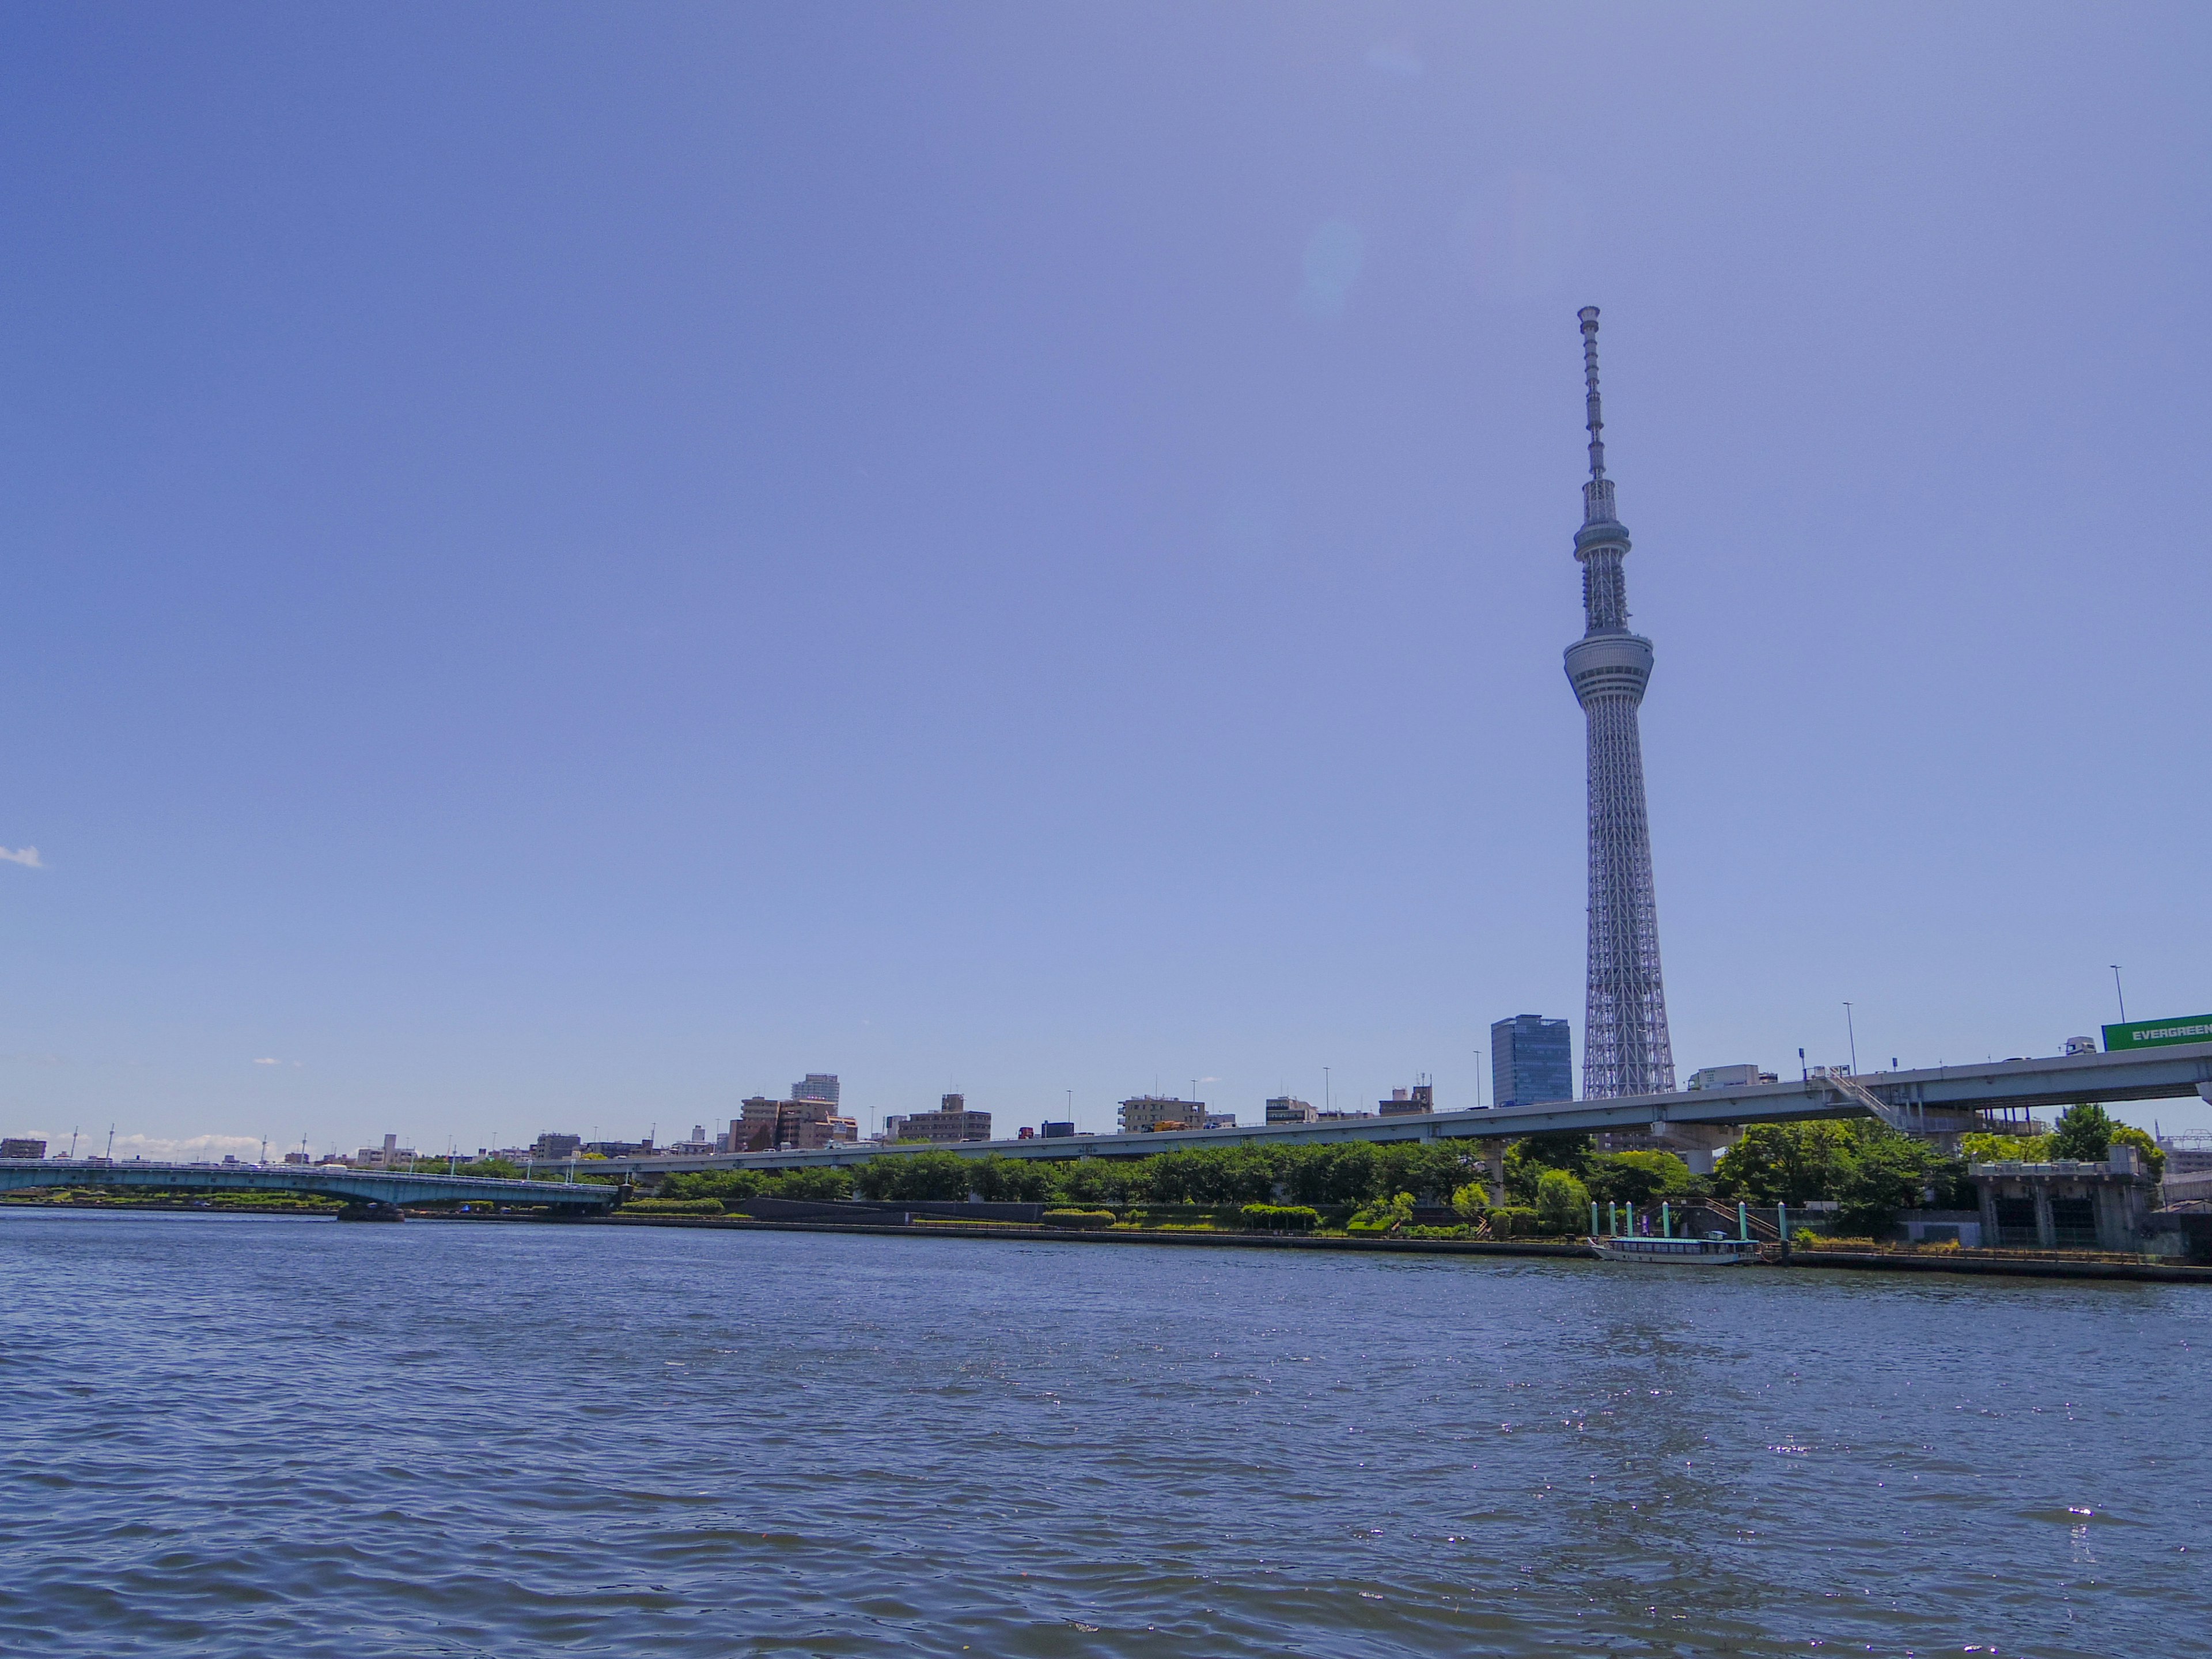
(1871, 1171)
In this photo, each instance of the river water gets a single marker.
(228, 1435)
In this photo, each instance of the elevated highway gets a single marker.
(363, 1187)
(1940, 1100)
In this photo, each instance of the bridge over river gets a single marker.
(366, 1187)
(1936, 1101)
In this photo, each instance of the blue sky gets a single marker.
(570, 564)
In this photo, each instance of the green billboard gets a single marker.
(2150, 1033)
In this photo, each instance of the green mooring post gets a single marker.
(1743, 1220)
(1593, 1217)
(1666, 1221)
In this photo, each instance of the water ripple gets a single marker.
(233, 1435)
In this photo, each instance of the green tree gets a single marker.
(1002, 1180)
(1642, 1178)
(1784, 1163)
(731, 1185)
(1980, 1148)
(1527, 1158)
(1471, 1203)
(1432, 1170)
(1562, 1202)
(1348, 1173)
(1096, 1181)
(814, 1186)
(1885, 1173)
(916, 1177)
(2083, 1132)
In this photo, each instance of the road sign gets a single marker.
(2150, 1033)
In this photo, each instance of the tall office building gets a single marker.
(1625, 1049)
(1531, 1058)
(819, 1085)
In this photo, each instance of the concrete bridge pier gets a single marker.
(1493, 1160)
(1696, 1144)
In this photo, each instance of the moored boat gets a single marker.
(1712, 1251)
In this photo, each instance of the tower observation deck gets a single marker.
(1626, 1047)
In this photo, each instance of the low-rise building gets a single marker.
(1406, 1103)
(22, 1146)
(552, 1148)
(1151, 1114)
(1058, 1131)
(771, 1126)
(1284, 1108)
(950, 1124)
(390, 1155)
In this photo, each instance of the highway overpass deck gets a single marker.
(1944, 1099)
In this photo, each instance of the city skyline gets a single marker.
(572, 577)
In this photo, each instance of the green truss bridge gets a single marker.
(367, 1189)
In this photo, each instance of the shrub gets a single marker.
(1472, 1202)
(1281, 1218)
(1382, 1215)
(1512, 1221)
(1078, 1218)
(1436, 1232)
(673, 1207)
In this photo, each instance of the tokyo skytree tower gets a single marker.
(1625, 1050)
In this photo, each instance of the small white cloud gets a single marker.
(266, 1061)
(1395, 58)
(1334, 255)
(190, 1149)
(29, 857)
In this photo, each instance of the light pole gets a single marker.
(2120, 994)
(1853, 1031)
(1325, 1102)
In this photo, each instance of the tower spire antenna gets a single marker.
(1597, 493)
(1596, 407)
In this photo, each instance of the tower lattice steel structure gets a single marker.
(1625, 1050)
